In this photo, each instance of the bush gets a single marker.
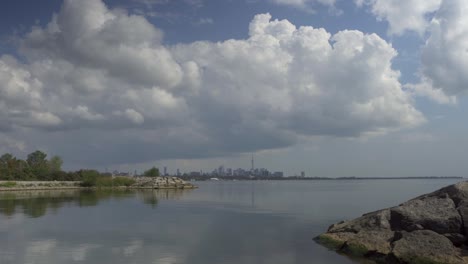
(104, 182)
(116, 182)
(89, 178)
(153, 172)
(7, 184)
(123, 181)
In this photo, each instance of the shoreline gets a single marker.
(94, 188)
(142, 183)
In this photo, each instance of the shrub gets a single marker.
(116, 182)
(123, 181)
(89, 178)
(153, 172)
(9, 184)
(104, 182)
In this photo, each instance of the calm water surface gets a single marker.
(269, 222)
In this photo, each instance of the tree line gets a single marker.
(37, 167)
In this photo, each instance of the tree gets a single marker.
(5, 158)
(153, 172)
(6, 162)
(39, 165)
(55, 164)
(37, 158)
(12, 168)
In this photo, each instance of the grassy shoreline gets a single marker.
(78, 185)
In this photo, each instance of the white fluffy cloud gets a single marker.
(444, 57)
(107, 73)
(402, 15)
(445, 54)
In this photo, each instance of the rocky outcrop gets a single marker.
(162, 183)
(428, 229)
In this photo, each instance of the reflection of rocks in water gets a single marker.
(152, 197)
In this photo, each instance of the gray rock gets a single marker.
(425, 246)
(162, 183)
(463, 211)
(361, 243)
(457, 192)
(427, 229)
(366, 242)
(432, 213)
(457, 239)
(371, 221)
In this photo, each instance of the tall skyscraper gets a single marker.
(253, 167)
(165, 171)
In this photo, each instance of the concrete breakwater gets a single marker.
(432, 228)
(140, 183)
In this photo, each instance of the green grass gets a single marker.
(7, 184)
(108, 182)
(123, 181)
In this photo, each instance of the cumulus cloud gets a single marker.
(402, 15)
(445, 53)
(444, 56)
(103, 79)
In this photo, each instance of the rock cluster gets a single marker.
(162, 183)
(428, 229)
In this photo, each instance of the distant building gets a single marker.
(263, 172)
(302, 174)
(165, 171)
(252, 163)
(221, 171)
(178, 172)
(278, 174)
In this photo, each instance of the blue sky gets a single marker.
(333, 88)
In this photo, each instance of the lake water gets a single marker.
(270, 222)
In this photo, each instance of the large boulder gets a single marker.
(360, 244)
(432, 213)
(425, 246)
(457, 192)
(371, 221)
(427, 229)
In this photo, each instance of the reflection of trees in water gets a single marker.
(34, 203)
(37, 203)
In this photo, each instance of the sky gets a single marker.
(370, 88)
